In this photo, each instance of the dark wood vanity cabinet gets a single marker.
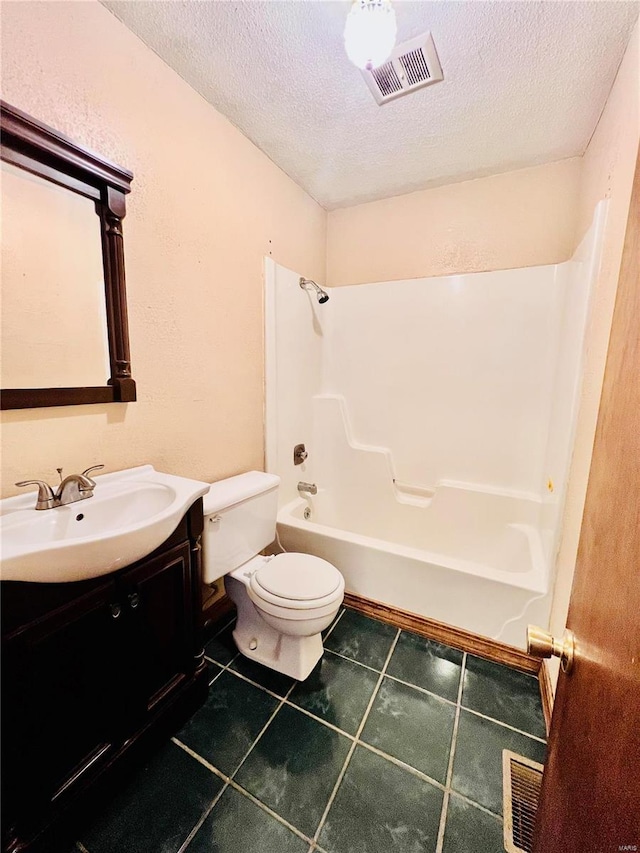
(93, 674)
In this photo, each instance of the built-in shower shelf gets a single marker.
(409, 493)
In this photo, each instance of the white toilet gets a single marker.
(284, 602)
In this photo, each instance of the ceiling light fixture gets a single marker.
(370, 32)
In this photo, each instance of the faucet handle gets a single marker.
(92, 468)
(89, 470)
(46, 498)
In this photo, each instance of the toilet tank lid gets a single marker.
(234, 490)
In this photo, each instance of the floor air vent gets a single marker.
(521, 779)
(411, 66)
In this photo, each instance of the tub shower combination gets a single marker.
(463, 556)
(438, 417)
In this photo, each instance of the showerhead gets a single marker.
(322, 295)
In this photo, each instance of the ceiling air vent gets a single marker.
(387, 80)
(411, 66)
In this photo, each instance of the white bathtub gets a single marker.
(468, 557)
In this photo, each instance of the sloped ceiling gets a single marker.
(524, 83)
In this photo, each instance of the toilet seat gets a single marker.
(296, 586)
(299, 577)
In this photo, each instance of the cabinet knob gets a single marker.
(134, 600)
(116, 610)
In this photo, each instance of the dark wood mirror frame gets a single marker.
(31, 145)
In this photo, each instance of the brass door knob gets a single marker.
(541, 644)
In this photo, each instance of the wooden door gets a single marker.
(590, 800)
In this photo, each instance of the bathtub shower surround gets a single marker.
(462, 560)
(438, 415)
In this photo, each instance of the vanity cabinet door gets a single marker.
(60, 720)
(157, 597)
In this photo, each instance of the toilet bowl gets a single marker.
(280, 616)
(284, 601)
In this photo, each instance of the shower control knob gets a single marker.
(299, 454)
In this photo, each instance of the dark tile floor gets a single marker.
(392, 745)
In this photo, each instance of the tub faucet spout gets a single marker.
(308, 488)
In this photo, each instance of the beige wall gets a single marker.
(206, 206)
(607, 172)
(517, 219)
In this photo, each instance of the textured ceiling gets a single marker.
(524, 83)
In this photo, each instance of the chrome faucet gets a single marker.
(308, 488)
(75, 487)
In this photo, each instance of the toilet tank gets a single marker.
(239, 521)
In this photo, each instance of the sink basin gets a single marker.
(131, 513)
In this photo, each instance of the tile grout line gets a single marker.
(202, 819)
(413, 770)
(231, 783)
(200, 759)
(402, 764)
(441, 698)
(357, 741)
(265, 808)
(392, 759)
(216, 799)
(353, 660)
(504, 725)
(218, 674)
(264, 689)
(331, 627)
(473, 803)
(319, 719)
(352, 748)
(386, 675)
(222, 668)
(262, 731)
(314, 845)
(421, 689)
(392, 677)
(452, 752)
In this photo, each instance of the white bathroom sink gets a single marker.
(131, 513)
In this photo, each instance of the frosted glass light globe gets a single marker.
(370, 32)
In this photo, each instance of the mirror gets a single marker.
(63, 331)
(53, 329)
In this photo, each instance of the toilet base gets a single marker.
(291, 655)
